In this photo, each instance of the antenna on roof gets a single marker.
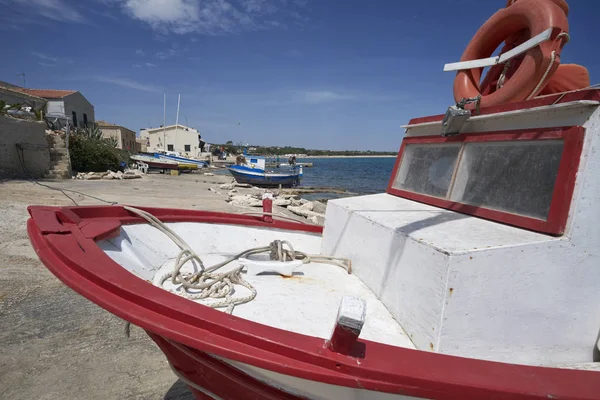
(23, 75)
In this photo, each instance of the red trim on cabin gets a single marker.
(563, 189)
(83, 266)
(587, 94)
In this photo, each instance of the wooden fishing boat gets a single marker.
(252, 170)
(160, 164)
(490, 292)
(474, 276)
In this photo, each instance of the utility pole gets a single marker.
(23, 75)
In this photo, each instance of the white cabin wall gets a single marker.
(408, 277)
(536, 303)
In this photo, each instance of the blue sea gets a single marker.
(356, 175)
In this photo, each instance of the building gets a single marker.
(59, 104)
(178, 138)
(66, 104)
(125, 137)
(141, 146)
(9, 95)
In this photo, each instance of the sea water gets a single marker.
(357, 175)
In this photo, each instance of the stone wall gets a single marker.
(31, 137)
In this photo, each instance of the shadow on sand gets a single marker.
(179, 391)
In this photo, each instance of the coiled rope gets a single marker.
(206, 283)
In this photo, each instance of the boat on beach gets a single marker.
(474, 276)
(252, 170)
(160, 164)
(182, 160)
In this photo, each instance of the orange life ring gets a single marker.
(518, 22)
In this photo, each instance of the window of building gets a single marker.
(170, 147)
(506, 177)
(74, 115)
(187, 147)
(85, 120)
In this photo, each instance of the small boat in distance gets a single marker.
(252, 170)
(174, 156)
(160, 164)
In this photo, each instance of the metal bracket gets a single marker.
(456, 116)
(502, 58)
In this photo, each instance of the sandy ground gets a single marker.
(55, 343)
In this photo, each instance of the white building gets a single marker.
(65, 104)
(179, 138)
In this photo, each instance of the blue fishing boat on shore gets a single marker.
(252, 170)
(179, 159)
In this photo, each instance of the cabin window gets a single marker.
(427, 169)
(509, 177)
(187, 147)
(170, 147)
(85, 120)
(253, 160)
(513, 177)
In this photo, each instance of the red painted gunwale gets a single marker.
(82, 265)
(563, 190)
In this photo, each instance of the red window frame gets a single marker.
(563, 189)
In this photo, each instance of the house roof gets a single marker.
(15, 90)
(160, 129)
(104, 123)
(48, 93)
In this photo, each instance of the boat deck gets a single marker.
(305, 303)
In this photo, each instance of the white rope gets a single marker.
(206, 283)
(541, 82)
(561, 35)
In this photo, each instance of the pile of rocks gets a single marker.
(313, 211)
(91, 176)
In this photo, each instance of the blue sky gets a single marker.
(322, 74)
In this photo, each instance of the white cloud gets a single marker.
(149, 64)
(57, 10)
(140, 52)
(323, 96)
(209, 17)
(127, 83)
(44, 57)
(136, 65)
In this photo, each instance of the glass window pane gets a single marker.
(427, 168)
(516, 177)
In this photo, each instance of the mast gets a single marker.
(177, 118)
(165, 123)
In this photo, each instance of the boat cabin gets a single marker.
(252, 163)
(486, 242)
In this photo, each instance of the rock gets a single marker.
(209, 174)
(94, 177)
(306, 213)
(243, 185)
(319, 207)
(109, 176)
(296, 203)
(212, 190)
(313, 220)
(308, 205)
(245, 200)
(282, 202)
(227, 186)
(131, 176)
(232, 192)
